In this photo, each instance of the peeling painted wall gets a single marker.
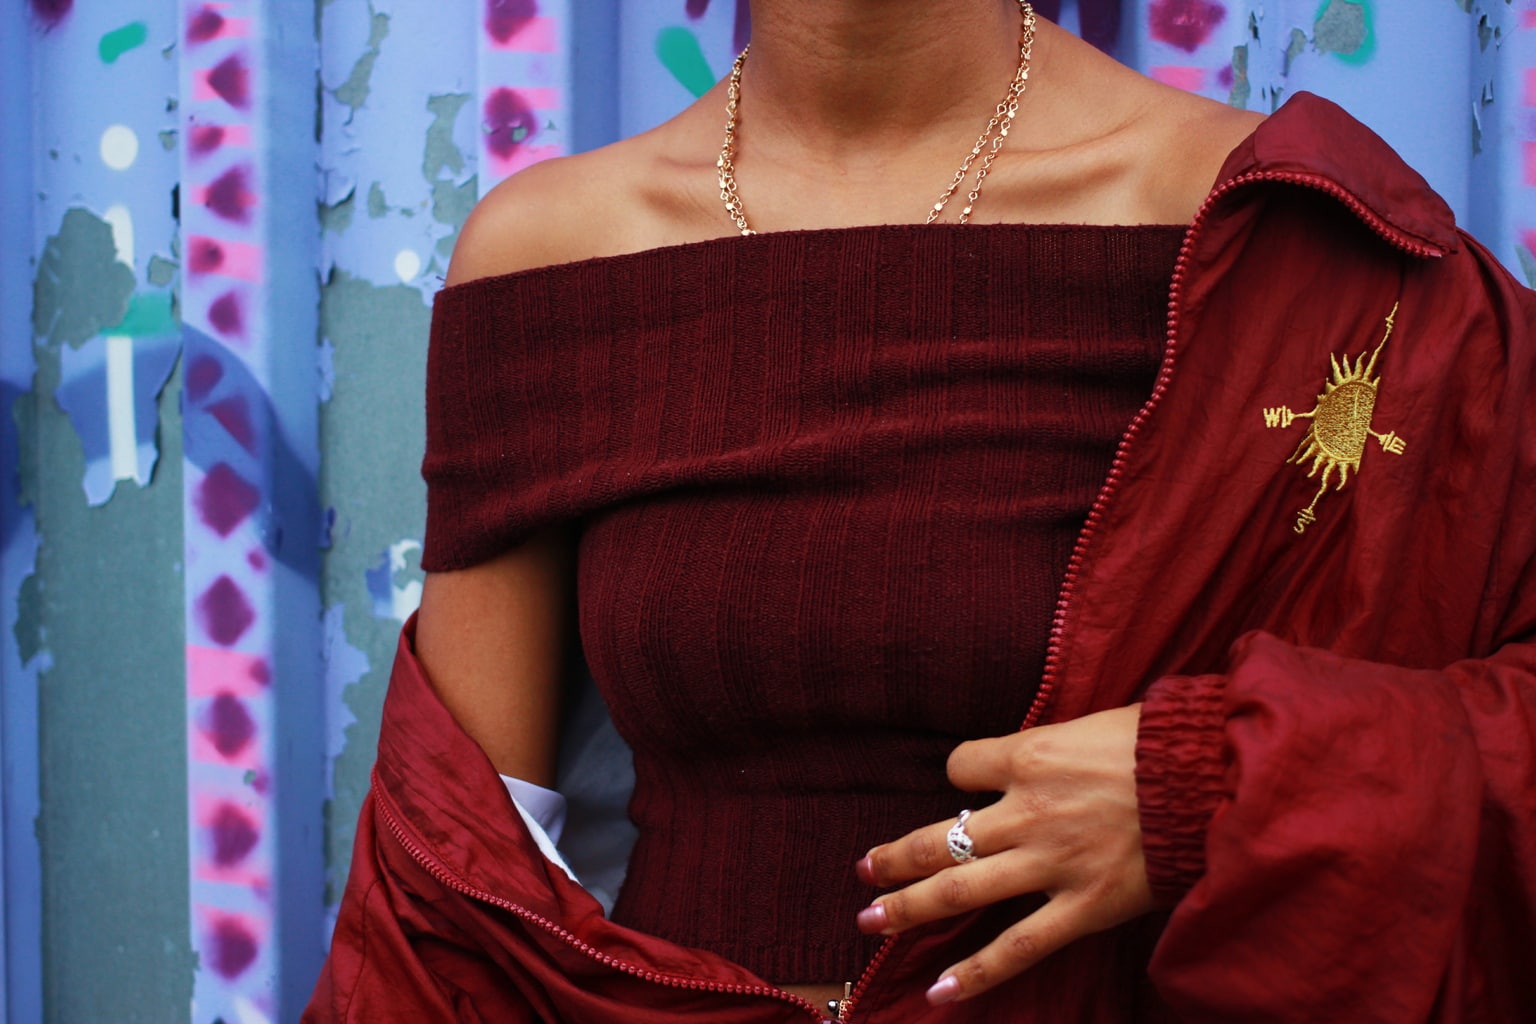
(212, 342)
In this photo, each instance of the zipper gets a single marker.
(443, 876)
(1064, 601)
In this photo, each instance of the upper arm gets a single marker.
(493, 637)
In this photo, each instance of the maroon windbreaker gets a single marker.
(1314, 560)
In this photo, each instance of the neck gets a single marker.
(879, 74)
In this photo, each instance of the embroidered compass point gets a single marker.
(1340, 425)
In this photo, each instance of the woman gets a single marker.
(811, 495)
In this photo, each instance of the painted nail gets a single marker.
(945, 990)
(872, 919)
(865, 869)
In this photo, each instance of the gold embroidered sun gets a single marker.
(1341, 424)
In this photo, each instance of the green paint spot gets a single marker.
(249, 778)
(1343, 28)
(162, 271)
(1242, 89)
(1527, 264)
(354, 91)
(80, 289)
(377, 205)
(679, 52)
(149, 316)
(1296, 47)
(168, 140)
(29, 630)
(118, 42)
(441, 154)
(337, 217)
(451, 203)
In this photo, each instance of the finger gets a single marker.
(956, 890)
(1015, 951)
(982, 766)
(924, 852)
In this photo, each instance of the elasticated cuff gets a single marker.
(1180, 778)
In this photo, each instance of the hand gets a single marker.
(1066, 826)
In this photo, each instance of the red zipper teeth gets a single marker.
(444, 877)
(1367, 216)
(846, 1007)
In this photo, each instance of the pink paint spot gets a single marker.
(212, 671)
(1186, 24)
(206, 24)
(1224, 77)
(232, 80)
(227, 316)
(230, 947)
(228, 725)
(230, 195)
(1528, 151)
(234, 835)
(224, 612)
(204, 255)
(505, 18)
(52, 12)
(256, 560)
(240, 260)
(206, 138)
(1186, 78)
(234, 415)
(537, 35)
(509, 123)
(225, 500)
(203, 375)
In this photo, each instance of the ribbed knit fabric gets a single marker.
(829, 482)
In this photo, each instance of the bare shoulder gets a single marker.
(542, 215)
(1190, 137)
(631, 195)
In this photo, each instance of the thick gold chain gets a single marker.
(995, 133)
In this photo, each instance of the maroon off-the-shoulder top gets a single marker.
(828, 483)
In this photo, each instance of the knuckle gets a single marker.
(1023, 946)
(954, 890)
(879, 865)
(927, 852)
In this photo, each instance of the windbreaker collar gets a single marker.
(1314, 137)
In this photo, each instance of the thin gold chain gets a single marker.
(994, 134)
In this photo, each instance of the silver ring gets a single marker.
(961, 846)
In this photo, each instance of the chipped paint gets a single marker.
(1343, 28)
(1242, 89)
(81, 288)
(378, 334)
(354, 91)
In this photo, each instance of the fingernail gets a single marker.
(945, 990)
(865, 869)
(872, 919)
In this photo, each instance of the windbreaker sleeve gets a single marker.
(1344, 839)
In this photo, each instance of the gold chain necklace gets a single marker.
(995, 133)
